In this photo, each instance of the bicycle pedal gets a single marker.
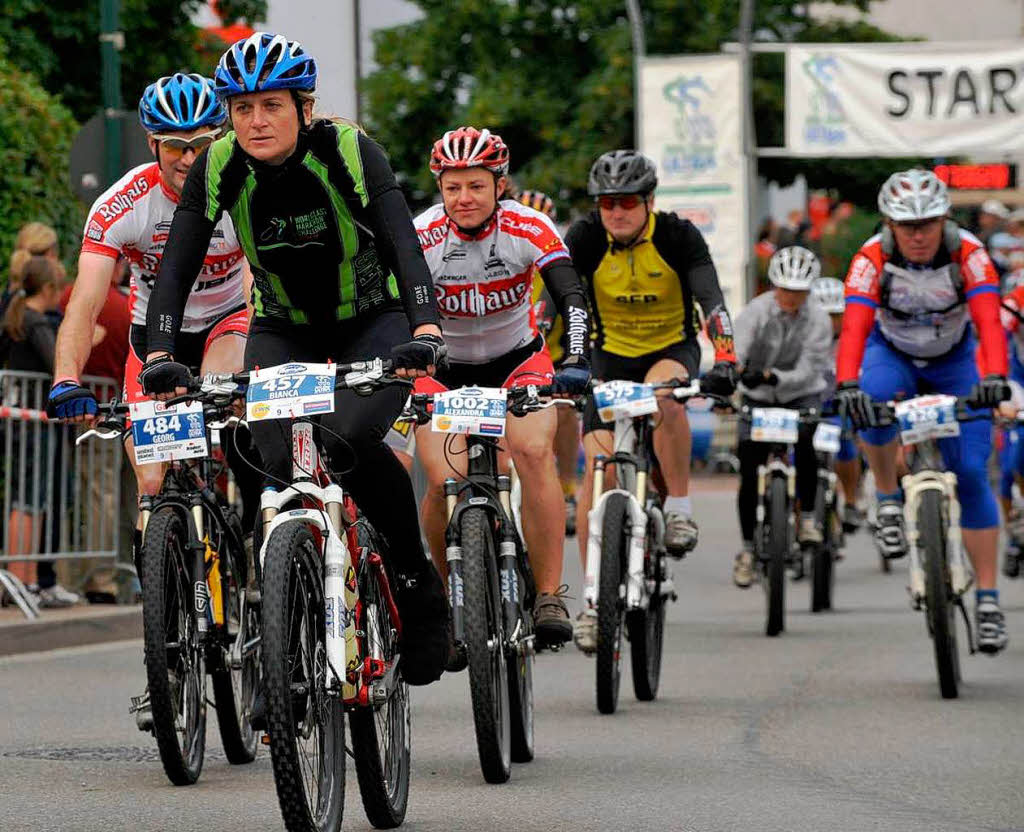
(138, 703)
(265, 739)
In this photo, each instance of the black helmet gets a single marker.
(622, 172)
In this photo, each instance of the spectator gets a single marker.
(33, 336)
(1007, 246)
(33, 239)
(763, 251)
(991, 216)
(790, 232)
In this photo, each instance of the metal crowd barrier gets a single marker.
(60, 502)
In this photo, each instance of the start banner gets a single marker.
(905, 99)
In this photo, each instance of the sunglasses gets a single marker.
(628, 202)
(175, 147)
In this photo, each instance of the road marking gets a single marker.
(62, 652)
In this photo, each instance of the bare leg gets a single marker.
(433, 512)
(672, 438)
(982, 546)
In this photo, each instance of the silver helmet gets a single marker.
(913, 195)
(830, 294)
(795, 268)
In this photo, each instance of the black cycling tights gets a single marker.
(352, 436)
(753, 454)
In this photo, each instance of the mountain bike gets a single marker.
(490, 585)
(627, 582)
(331, 626)
(197, 619)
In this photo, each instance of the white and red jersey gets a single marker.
(483, 283)
(922, 311)
(133, 218)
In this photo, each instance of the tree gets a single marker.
(555, 77)
(58, 42)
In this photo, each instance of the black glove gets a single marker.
(163, 375)
(419, 353)
(68, 400)
(573, 376)
(989, 392)
(755, 378)
(720, 380)
(855, 406)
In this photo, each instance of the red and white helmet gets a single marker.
(468, 147)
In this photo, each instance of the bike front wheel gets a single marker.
(776, 548)
(647, 634)
(306, 722)
(823, 558)
(610, 602)
(520, 685)
(939, 604)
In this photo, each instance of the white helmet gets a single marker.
(913, 195)
(830, 294)
(794, 267)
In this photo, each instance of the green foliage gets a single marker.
(35, 140)
(555, 79)
(840, 244)
(58, 42)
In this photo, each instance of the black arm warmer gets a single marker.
(566, 290)
(187, 244)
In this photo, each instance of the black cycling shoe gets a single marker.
(423, 608)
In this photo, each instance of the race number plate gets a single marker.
(927, 417)
(290, 390)
(774, 424)
(624, 399)
(477, 410)
(163, 433)
(826, 438)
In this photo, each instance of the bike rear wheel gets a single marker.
(380, 733)
(175, 660)
(306, 723)
(610, 601)
(776, 544)
(939, 605)
(488, 668)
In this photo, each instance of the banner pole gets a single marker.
(636, 25)
(749, 139)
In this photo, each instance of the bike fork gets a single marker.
(201, 595)
(508, 576)
(453, 554)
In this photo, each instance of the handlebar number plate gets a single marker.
(774, 424)
(624, 399)
(827, 438)
(290, 390)
(476, 410)
(927, 417)
(164, 433)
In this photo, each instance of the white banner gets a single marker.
(905, 99)
(691, 126)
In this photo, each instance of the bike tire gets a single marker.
(823, 560)
(939, 606)
(776, 549)
(520, 686)
(488, 668)
(168, 622)
(381, 733)
(610, 603)
(294, 671)
(234, 691)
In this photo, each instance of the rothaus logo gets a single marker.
(577, 329)
(123, 200)
(478, 300)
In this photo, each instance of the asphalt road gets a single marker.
(836, 725)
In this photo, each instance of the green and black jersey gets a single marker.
(327, 233)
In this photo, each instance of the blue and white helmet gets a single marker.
(263, 62)
(183, 101)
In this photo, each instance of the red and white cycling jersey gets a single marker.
(133, 218)
(483, 283)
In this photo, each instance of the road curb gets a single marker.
(71, 630)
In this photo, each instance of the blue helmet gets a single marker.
(181, 102)
(264, 62)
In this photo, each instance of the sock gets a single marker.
(681, 505)
(569, 489)
(896, 496)
(981, 595)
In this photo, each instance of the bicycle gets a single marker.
(197, 619)
(331, 626)
(490, 584)
(627, 580)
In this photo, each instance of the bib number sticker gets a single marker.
(927, 417)
(624, 399)
(290, 390)
(477, 410)
(774, 424)
(162, 433)
(827, 437)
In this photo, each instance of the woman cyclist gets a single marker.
(338, 274)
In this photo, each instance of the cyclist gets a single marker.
(337, 274)
(912, 292)
(1011, 452)
(643, 270)
(567, 434)
(783, 344)
(482, 251)
(830, 294)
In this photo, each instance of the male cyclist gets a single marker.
(338, 274)
(567, 434)
(783, 344)
(482, 252)
(912, 292)
(1011, 452)
(643, 270)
